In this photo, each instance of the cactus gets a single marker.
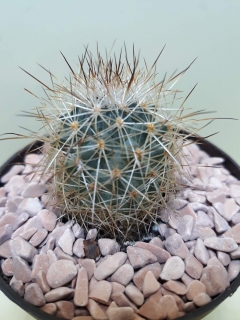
(112, 142)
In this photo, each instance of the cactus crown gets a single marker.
(113, 139)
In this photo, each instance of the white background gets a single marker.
(33, 32)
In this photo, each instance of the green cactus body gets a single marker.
(117, 162)
(113, 145)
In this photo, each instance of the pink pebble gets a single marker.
(139, 276)
(42, 281)
(123, 275)
(21, 270)
(92, 234)
(66, 241)
(175, 246)
(23, 249)
(187, 210)
(31, 206)
(60, 273)
(15, 184)
(38, 237)
(33, 189)
(193, 267)
(194, 289)
(224, 258)
(175, 286)
(150, 284)
(7, 268)
(48, 219)
(161, 254)
(236, 218)
(90, 266)
(17, 286)
(110, 265)
(230, 208)
(201, 252)
(215, 279)
(101, 292)
(216, 196)
(78, 231)
(234, 191)
(233, 270)
(202, 299)
(185, 226)
(16, 169)
(220, 223)
(173, 269)
(34, 295)
(78, 248)
(62, 293)
(5, 249)
(26, 235)
(81, 290)
(64, 256)
(134, 294)
(40, 263)
(51, 257)
(108, 246)
(5, 233)
(49, 308)
(234, 233)
(223, 244)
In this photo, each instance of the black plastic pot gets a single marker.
(197, 314)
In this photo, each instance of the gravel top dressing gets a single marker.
(67, 272)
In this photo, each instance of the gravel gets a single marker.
(194, 258)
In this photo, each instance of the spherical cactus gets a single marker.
(114, 144)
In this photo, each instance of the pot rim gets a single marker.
(196, 314)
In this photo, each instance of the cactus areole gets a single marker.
(113, 138)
